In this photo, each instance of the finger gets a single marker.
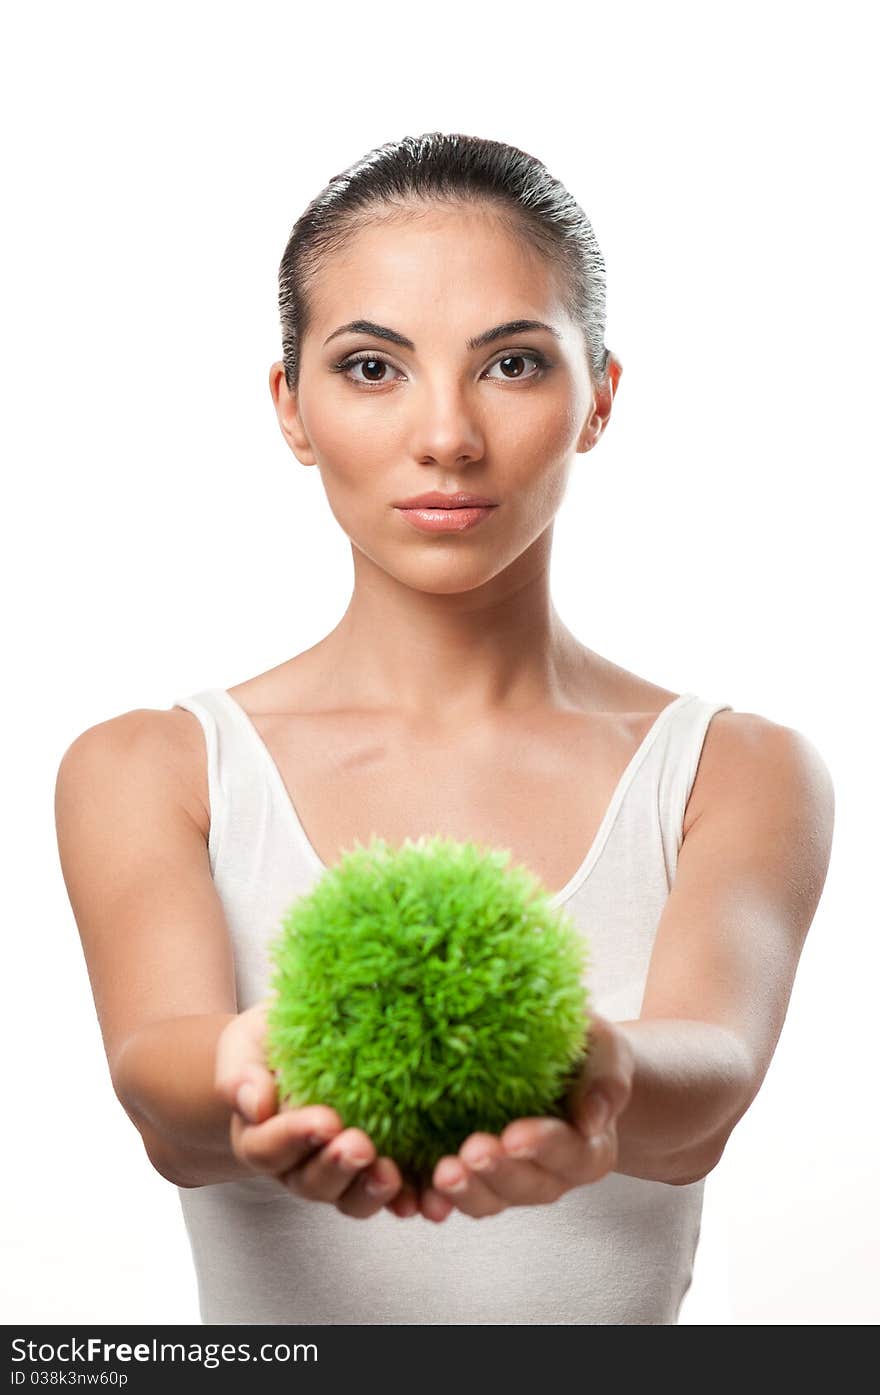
(554, 1147)
(405, 1203)
(603, 1153)
(256, 1094)
(284, 1140)
(600, 1155)
(610, 1060)
(240, 1052)
(606, 1076)
(465, 1189)
(517, 1181)
(370, 1190)
(434, 1206)
(593, 1108)
(595, 1112)
(588, 1094)
(326, 1175)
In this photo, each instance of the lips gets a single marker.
(435, 500)
(431, 519)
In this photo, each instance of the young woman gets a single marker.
(444, 367)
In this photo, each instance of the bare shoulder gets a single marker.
(297, 685)
(166, 745)
(747, 757)
(747, 884)
(138, 876)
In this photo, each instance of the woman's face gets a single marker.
(502, 419)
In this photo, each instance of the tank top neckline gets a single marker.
(578, 877)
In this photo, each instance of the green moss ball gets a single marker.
(424, 993)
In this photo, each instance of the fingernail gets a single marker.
(482, 1162)
(246, 1100)
(598, 1113)
(458, 1184)
(353, 1159)
(376, 1187)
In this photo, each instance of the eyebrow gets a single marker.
(488, 336)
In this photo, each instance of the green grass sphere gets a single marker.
(424, 993)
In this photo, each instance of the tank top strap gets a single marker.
(677, 754)
(237, 789)
(253, 826)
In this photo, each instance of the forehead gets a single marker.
(459, 263)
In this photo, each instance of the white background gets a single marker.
(159, 537)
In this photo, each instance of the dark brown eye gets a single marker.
(514, 360)
(512, 366)
(373, 369)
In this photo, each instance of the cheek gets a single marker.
(534, 449)
(349, 448)
(356, 462)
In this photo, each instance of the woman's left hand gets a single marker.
(536, 1160)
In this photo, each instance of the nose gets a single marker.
(445, 427)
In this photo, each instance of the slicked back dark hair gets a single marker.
(436, 168)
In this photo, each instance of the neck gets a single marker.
(448, 658)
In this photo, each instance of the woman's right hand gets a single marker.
(307, 1149)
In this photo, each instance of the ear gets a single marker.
(286, 410)
(603, 397)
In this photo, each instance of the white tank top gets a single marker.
(618, 1251)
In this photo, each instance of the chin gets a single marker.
(445, 581)
(439, 576)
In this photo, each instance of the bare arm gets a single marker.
(690, 1082)
(750, 874)
(677, 1079)
(164, 1076)
(133, 852)
(132, 827)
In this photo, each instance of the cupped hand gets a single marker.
(307, 1149)
(536, 1160)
